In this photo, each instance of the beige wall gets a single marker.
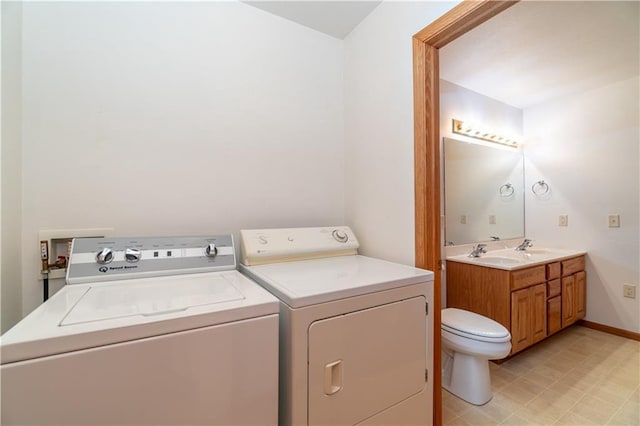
(11, 165)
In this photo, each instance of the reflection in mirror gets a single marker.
(483, 191)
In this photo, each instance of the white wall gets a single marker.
(11, 164)
(176, 118)
(586, 147)
(379, 186)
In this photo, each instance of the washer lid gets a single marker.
(474, 326)
(150, 297)
(309, 282)
(82, 316)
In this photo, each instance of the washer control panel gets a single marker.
(105, 259)
(260, 246)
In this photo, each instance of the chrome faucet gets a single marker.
(494, 238)
(478, 250)
(523, 246)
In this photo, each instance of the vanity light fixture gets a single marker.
(465, 129)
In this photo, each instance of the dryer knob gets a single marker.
(132, 255)
(340, 236)
(211, 250)
(104, 256)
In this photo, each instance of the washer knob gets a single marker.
(132, 255)
(104, 256)
(340, 236)
(211, 250)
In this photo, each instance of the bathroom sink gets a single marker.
(536, 254)
(498, 260)
(537, 251)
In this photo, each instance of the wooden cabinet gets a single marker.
(573, 298)
(520, 336)
(581, 294)
(528, 316)
(532, 303)
(525, 277)
(569, 315)
(554, 315)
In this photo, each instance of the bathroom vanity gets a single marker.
(534, 294)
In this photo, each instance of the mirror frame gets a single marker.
(426, 121)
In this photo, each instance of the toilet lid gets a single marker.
(473, 326)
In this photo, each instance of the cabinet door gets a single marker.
(581, 294)
(568, 301)
(528, 316)
(520, 320)
(554, 313)
(538, 297)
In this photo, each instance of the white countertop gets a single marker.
(510, 259)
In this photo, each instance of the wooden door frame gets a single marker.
(426, 112)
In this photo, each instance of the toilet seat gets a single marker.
(473, 326)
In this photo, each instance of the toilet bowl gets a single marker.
(469, 341)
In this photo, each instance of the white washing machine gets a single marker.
(147, 331)
(356, 334)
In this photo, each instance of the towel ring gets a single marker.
(540, 187)
(506, 190)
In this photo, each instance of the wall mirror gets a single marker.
(483, 192)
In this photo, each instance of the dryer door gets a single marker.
(364, 362)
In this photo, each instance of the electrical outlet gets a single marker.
(563, 220)
(614, 220)
(463, 219)
(492, 219)
(629, 290)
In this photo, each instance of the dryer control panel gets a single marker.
(106, 259)
(261, 246)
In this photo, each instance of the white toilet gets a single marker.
(469, 341)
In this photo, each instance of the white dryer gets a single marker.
(356, 334)
(148, 331)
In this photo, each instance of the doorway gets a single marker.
(428, 245)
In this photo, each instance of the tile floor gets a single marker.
(579, 376)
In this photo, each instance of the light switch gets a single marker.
(563, 220)
(463, 219)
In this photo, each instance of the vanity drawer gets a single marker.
(553, 270)
(554, 287)
(526, 277)
(571, 266)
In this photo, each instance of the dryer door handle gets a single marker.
(333, 377)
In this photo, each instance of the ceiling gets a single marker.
(336, 18)
(537, 51)
(532, 52)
